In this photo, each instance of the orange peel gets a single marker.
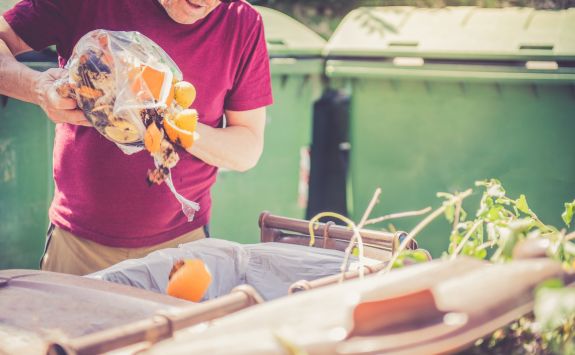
(181, 129)
(146, 79)
(190, 281)
(153, 139)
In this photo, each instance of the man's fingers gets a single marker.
(61, 103)
(56, 73)
(71, 116)
(66, 104)
(77, 117)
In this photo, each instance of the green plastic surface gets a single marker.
(273, 185)
(26, 185)
(415, 138)
(473, 106)
(456, 33)
(288, 37)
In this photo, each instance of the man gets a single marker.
(103, 211)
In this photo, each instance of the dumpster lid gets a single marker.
(467, 33)
(287, 37)
(40, 306)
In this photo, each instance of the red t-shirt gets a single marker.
(101, 193)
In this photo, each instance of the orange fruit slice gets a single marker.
(122, 132)
(187, 119)
(190, 281)
(153, 138)
(181, 128)
(184, 93)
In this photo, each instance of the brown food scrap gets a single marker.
(177, 265)
(157, 176)
(90, 93)
(167, 157)
(65, 89)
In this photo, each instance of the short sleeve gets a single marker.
(252, 83)
(41, 23)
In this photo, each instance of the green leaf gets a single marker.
(521, 204)
(551, 283)
(480, 234)
(486, 204)
(481, 254)
(468, 250)
(462, 214)
(450, 213)
(398, 264)
(509, 242)
(455, 237)
(420, 256)
(494, 213)
(568, 214)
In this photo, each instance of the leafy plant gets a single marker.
(498, 226)
(494, 232)
(505, 222)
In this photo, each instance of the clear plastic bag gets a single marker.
(133, 94)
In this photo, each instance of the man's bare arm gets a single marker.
(20, 82)
(237, 147)
(17, 78)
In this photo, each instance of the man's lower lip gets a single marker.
(193, 5)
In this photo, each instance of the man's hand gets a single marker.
(23, 83)
(59, 109)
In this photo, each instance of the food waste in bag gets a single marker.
(134, 95)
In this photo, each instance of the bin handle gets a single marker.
(536, 46)
(276, 42)
(403, 44)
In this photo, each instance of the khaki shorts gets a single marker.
(70, 254)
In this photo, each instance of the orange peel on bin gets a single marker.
(189, 280)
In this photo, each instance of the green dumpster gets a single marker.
(278, 183)
(26, 184)
(443, 97)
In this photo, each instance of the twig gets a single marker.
(397, 215)
(456, 216)
(455, 223)
(372, 203)
(350, 224)
(486, 245)
(570, 236)
(357, 236)
(465, 239)
(418, 228)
